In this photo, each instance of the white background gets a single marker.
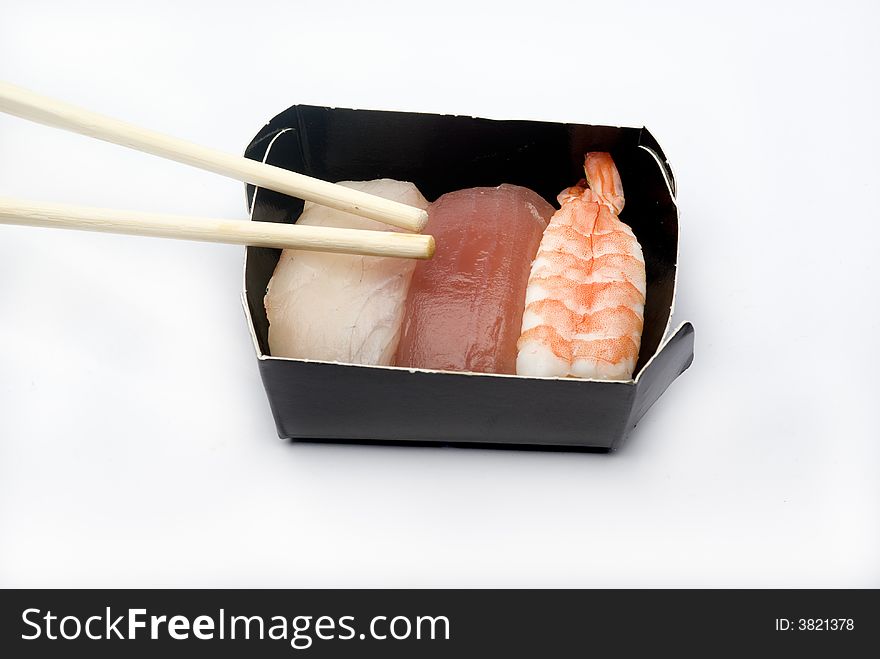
(136, 443)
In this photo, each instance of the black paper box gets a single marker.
(324, 401)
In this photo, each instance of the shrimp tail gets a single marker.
(604, 180)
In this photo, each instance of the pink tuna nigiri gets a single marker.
(464, 309)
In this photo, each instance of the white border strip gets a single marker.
(665, 336)
(244, 302)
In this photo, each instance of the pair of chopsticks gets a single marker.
(29, 105)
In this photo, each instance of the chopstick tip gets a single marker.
(422, 221)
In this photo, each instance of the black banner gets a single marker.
(434, 623)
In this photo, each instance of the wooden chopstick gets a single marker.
(237, 232)
(30, 105)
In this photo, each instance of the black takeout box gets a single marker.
(324, 401)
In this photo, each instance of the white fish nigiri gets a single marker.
(341, 307)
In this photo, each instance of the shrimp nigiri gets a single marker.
(585, 299)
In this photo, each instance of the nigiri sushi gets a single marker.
(341, 307)
(464, 308)
(586, 293)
